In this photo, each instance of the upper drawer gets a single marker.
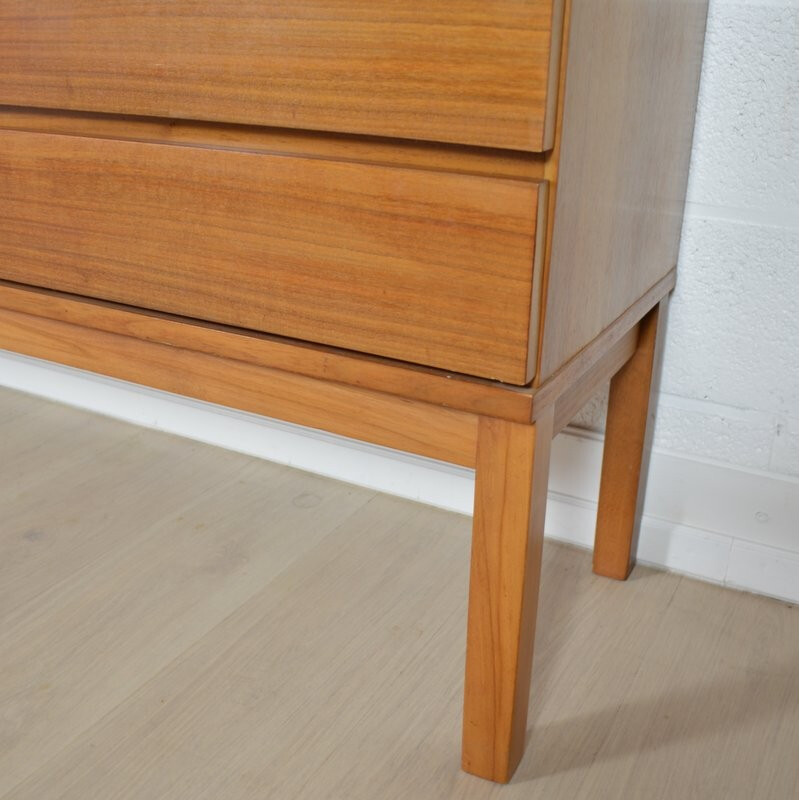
(479, 72)
(430, 267)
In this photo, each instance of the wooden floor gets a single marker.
(178, 621)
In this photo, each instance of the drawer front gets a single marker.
(467, 71)
(430, 267)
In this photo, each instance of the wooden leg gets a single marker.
(629, 426)
(510, 495)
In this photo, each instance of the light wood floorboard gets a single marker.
(178, 621)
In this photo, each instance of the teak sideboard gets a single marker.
(434, 226)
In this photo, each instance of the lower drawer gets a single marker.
(435, 268)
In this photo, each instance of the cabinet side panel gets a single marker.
(631, 92)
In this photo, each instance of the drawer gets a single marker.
(434, 268)
(478, 72)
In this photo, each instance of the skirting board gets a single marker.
(712, 521)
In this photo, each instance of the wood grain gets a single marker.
(508, 530)
(475, 395)
(592, 366)
(246, 644)
(208, 200)
(360, 414)
(95, 479)
(427, 267)
(191, 557)
(582, 390)
(465, 71)
(574, 371)
(550, 173)
(317, 144)
(632, 75)
(626, 453)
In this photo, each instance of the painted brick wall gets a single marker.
(729, 387)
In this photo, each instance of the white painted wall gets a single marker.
(722, 499)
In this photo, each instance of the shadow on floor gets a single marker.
(650, 724)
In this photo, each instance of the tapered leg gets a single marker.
(510, 495)
(629, 427)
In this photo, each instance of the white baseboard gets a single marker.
(724, 524)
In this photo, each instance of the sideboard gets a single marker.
(438, 227)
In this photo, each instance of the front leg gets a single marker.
(512, 467)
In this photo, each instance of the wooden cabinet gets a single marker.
(433, 226)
